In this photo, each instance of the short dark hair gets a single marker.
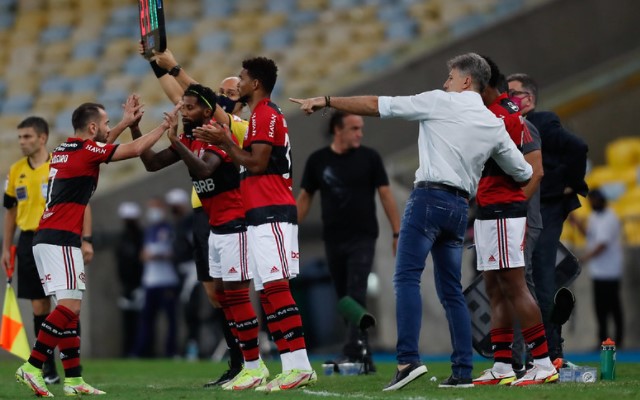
(598, 195)
(494, 79)
(37, 123)
(264, 70)
(527, 82)
(336, 121)
(85, 114)
(205, 96)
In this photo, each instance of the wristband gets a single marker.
(88, 239)
(158, 70)
(396, 235)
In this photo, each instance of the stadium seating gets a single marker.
(57, 52)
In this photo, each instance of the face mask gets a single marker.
(517, 101)
(155, 215)
(226, 103)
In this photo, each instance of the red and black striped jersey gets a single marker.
(268, 196)
(73, 177)
(219, 193)
(497, 191)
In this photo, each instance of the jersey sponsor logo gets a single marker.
(47, 214)
(204, 185)
(232, 270)
(272, 125)
(274, 270)
(59, 158)
(295, 255)
(492, 259)
(95, 149)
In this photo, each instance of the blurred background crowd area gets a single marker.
(56, 54)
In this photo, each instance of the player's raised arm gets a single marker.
(143, 143)
(133, 110)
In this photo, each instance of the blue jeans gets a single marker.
(434, 221)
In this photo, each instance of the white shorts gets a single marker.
(500, 243)
(61, 268)
(228, 257)
(273, 252)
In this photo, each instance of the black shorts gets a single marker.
(29, 284)
(201, 230)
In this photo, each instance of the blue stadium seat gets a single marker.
(125, 15)
(218, 8)
(136, 66)
(113, 31)
(88, 49)
(63, 121)
(178, 27)
(281, 6)
(391, 13)
(402, 30)
(117, 95)
(87, 83)
(214, 42)
(277, 39)
(55, 84)
(302, 18)
(55, 34)
(343, 4)
(6, 20)
(20, 104)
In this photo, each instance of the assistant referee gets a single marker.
(25, 198)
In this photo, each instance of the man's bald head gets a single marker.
(229, 87)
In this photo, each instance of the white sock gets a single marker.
(502, 368)
(301, 360)
(287, 361)
(255, 364)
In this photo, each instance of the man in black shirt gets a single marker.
(347, 176)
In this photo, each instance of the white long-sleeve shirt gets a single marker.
(457, 136)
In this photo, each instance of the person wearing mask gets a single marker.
(564, 162)
(457, 135)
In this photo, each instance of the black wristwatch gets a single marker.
(175, 70)
(88, 239)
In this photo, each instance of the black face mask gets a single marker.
(226, 103)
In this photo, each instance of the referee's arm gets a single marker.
(7, 235)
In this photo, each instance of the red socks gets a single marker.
(286, 314)
(501, 339)
(246, 322)
(536, 340)
(51, 333)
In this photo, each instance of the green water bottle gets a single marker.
(608, 360)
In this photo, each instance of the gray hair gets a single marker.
(473, 65)
(527, 82)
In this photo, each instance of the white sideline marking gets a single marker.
(324, 393)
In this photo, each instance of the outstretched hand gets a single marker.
(170, 121)
(132, 110)
(213, 133)
(310, 105)
(171, 118)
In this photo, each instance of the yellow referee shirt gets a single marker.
(238, 128)
(27, 187)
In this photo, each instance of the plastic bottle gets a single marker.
(608, 360)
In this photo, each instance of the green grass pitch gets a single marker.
(170, 380)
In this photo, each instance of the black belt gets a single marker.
(442, 186)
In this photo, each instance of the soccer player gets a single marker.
(499, 231)
(174, 80)
(73, 177)
(217, 182)
(271, 214)
(24, 199)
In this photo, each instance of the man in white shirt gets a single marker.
(457, 135)
(604, 257)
